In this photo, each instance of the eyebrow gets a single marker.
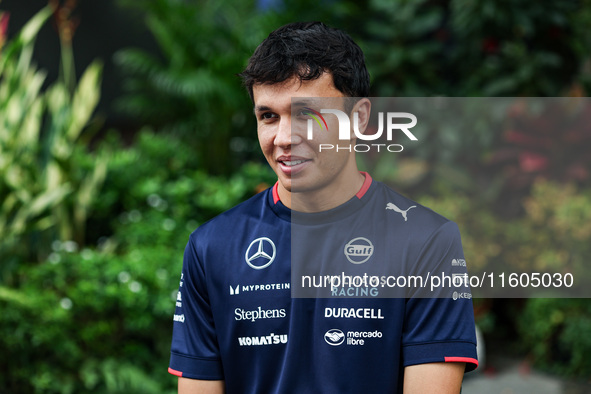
(303, 102)
(261, 108)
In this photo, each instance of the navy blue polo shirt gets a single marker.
(236, 319)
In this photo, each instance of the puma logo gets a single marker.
(400, 211)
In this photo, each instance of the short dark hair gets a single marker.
(307, 50)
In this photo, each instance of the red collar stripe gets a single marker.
(365, 186)
(360, 193)
(275, 193)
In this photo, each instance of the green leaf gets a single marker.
(26, 35)
(89, 188)
(85, 100)
(14, 297)
(41, 202)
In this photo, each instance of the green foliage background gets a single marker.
(92, 240)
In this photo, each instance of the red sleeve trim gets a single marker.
(176, 373)
(275, 193)
(365, 186)
(461, 360)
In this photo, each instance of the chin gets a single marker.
(286, 184)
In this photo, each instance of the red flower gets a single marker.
(490, 45)
(4, 17)
(532, 162)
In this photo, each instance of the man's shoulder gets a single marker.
(412, 213)
(411, 223)
(229, 221)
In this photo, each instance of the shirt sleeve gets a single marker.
(194, 350)
(439, 326)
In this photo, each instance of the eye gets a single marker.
(267, 116)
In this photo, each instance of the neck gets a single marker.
(325, 198)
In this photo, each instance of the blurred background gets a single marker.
(123, 127)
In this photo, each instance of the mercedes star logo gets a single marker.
(257, 255)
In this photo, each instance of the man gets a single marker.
(238, 329)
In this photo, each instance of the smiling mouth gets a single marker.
(291, 163)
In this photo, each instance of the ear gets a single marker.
(363, 109)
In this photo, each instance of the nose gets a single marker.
(285, 137)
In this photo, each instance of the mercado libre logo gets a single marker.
(315, 115)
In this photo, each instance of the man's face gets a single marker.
(282, 133)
